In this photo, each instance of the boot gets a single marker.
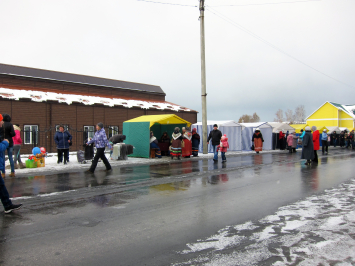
(16, 166)
(22, 166)
(12, 174)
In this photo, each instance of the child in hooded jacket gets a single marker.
(223, 146)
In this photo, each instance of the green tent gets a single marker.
(137, 131)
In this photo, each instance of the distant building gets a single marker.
(332, 114)
(40, 100)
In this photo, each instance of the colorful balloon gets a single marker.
(43, 150)
(36, 151)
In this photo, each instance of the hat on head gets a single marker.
(101, 125)
(307, 128)
(0, 117)
(314, 128)
(257, 129)
(215, 125)
(324, 130)
(194, 129)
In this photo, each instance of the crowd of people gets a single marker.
(310, 140)
(181, 144)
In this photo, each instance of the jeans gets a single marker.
(223, 156)
(16, 152)
(334, 142)
(215, 152)
(9, 154)
(4, 195)
(100, 154)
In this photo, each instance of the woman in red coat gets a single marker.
(315, 143)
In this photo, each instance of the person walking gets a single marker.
(176, 139)
(224, 146)
(195, 142)
(216, 136)
(17, 147)
(282, 140)
(101, 141)
(9, 132)
(4, 194)
(257, 140)
(186, 147)
(324, 142)
(315, 143)
(62, 139)
(290, 142)
(307, 146)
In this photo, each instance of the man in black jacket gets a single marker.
(216, 136)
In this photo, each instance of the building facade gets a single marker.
(332, 114)
(40, 100)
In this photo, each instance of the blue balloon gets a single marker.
(36, 151)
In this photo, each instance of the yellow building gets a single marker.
(333, 115)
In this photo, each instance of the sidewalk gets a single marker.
(73, 165)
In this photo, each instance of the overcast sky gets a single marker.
(159, 44)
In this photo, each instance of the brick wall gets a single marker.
(48, 115)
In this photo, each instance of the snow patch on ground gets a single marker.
(319, 230)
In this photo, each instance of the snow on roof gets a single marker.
(40, 96)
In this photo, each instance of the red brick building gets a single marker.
(40, 100)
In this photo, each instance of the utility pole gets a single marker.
(203, 76)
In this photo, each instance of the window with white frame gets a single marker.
(30, 132)
(112, 130)
(90, 130)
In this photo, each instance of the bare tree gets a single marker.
(289, 116)
(255, 118)
(244, 119)
(279, 116)
(249, 118)
(300, 114)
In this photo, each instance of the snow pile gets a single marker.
(319, 230)
(40, 96)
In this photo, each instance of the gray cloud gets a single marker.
(159, 44)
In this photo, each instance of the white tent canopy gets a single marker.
(277, 127)
(232, 129)
(248, 131)
(332, 129)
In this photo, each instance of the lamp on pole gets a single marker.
(203, 76)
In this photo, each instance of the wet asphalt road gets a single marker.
(144, 214)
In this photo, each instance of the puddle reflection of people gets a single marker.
(310, 178)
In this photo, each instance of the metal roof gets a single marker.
(36, 73)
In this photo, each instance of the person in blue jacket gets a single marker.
(4, 194)
(62, 139)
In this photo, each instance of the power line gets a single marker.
(155, 2)
(277, 3)
(272, 45)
